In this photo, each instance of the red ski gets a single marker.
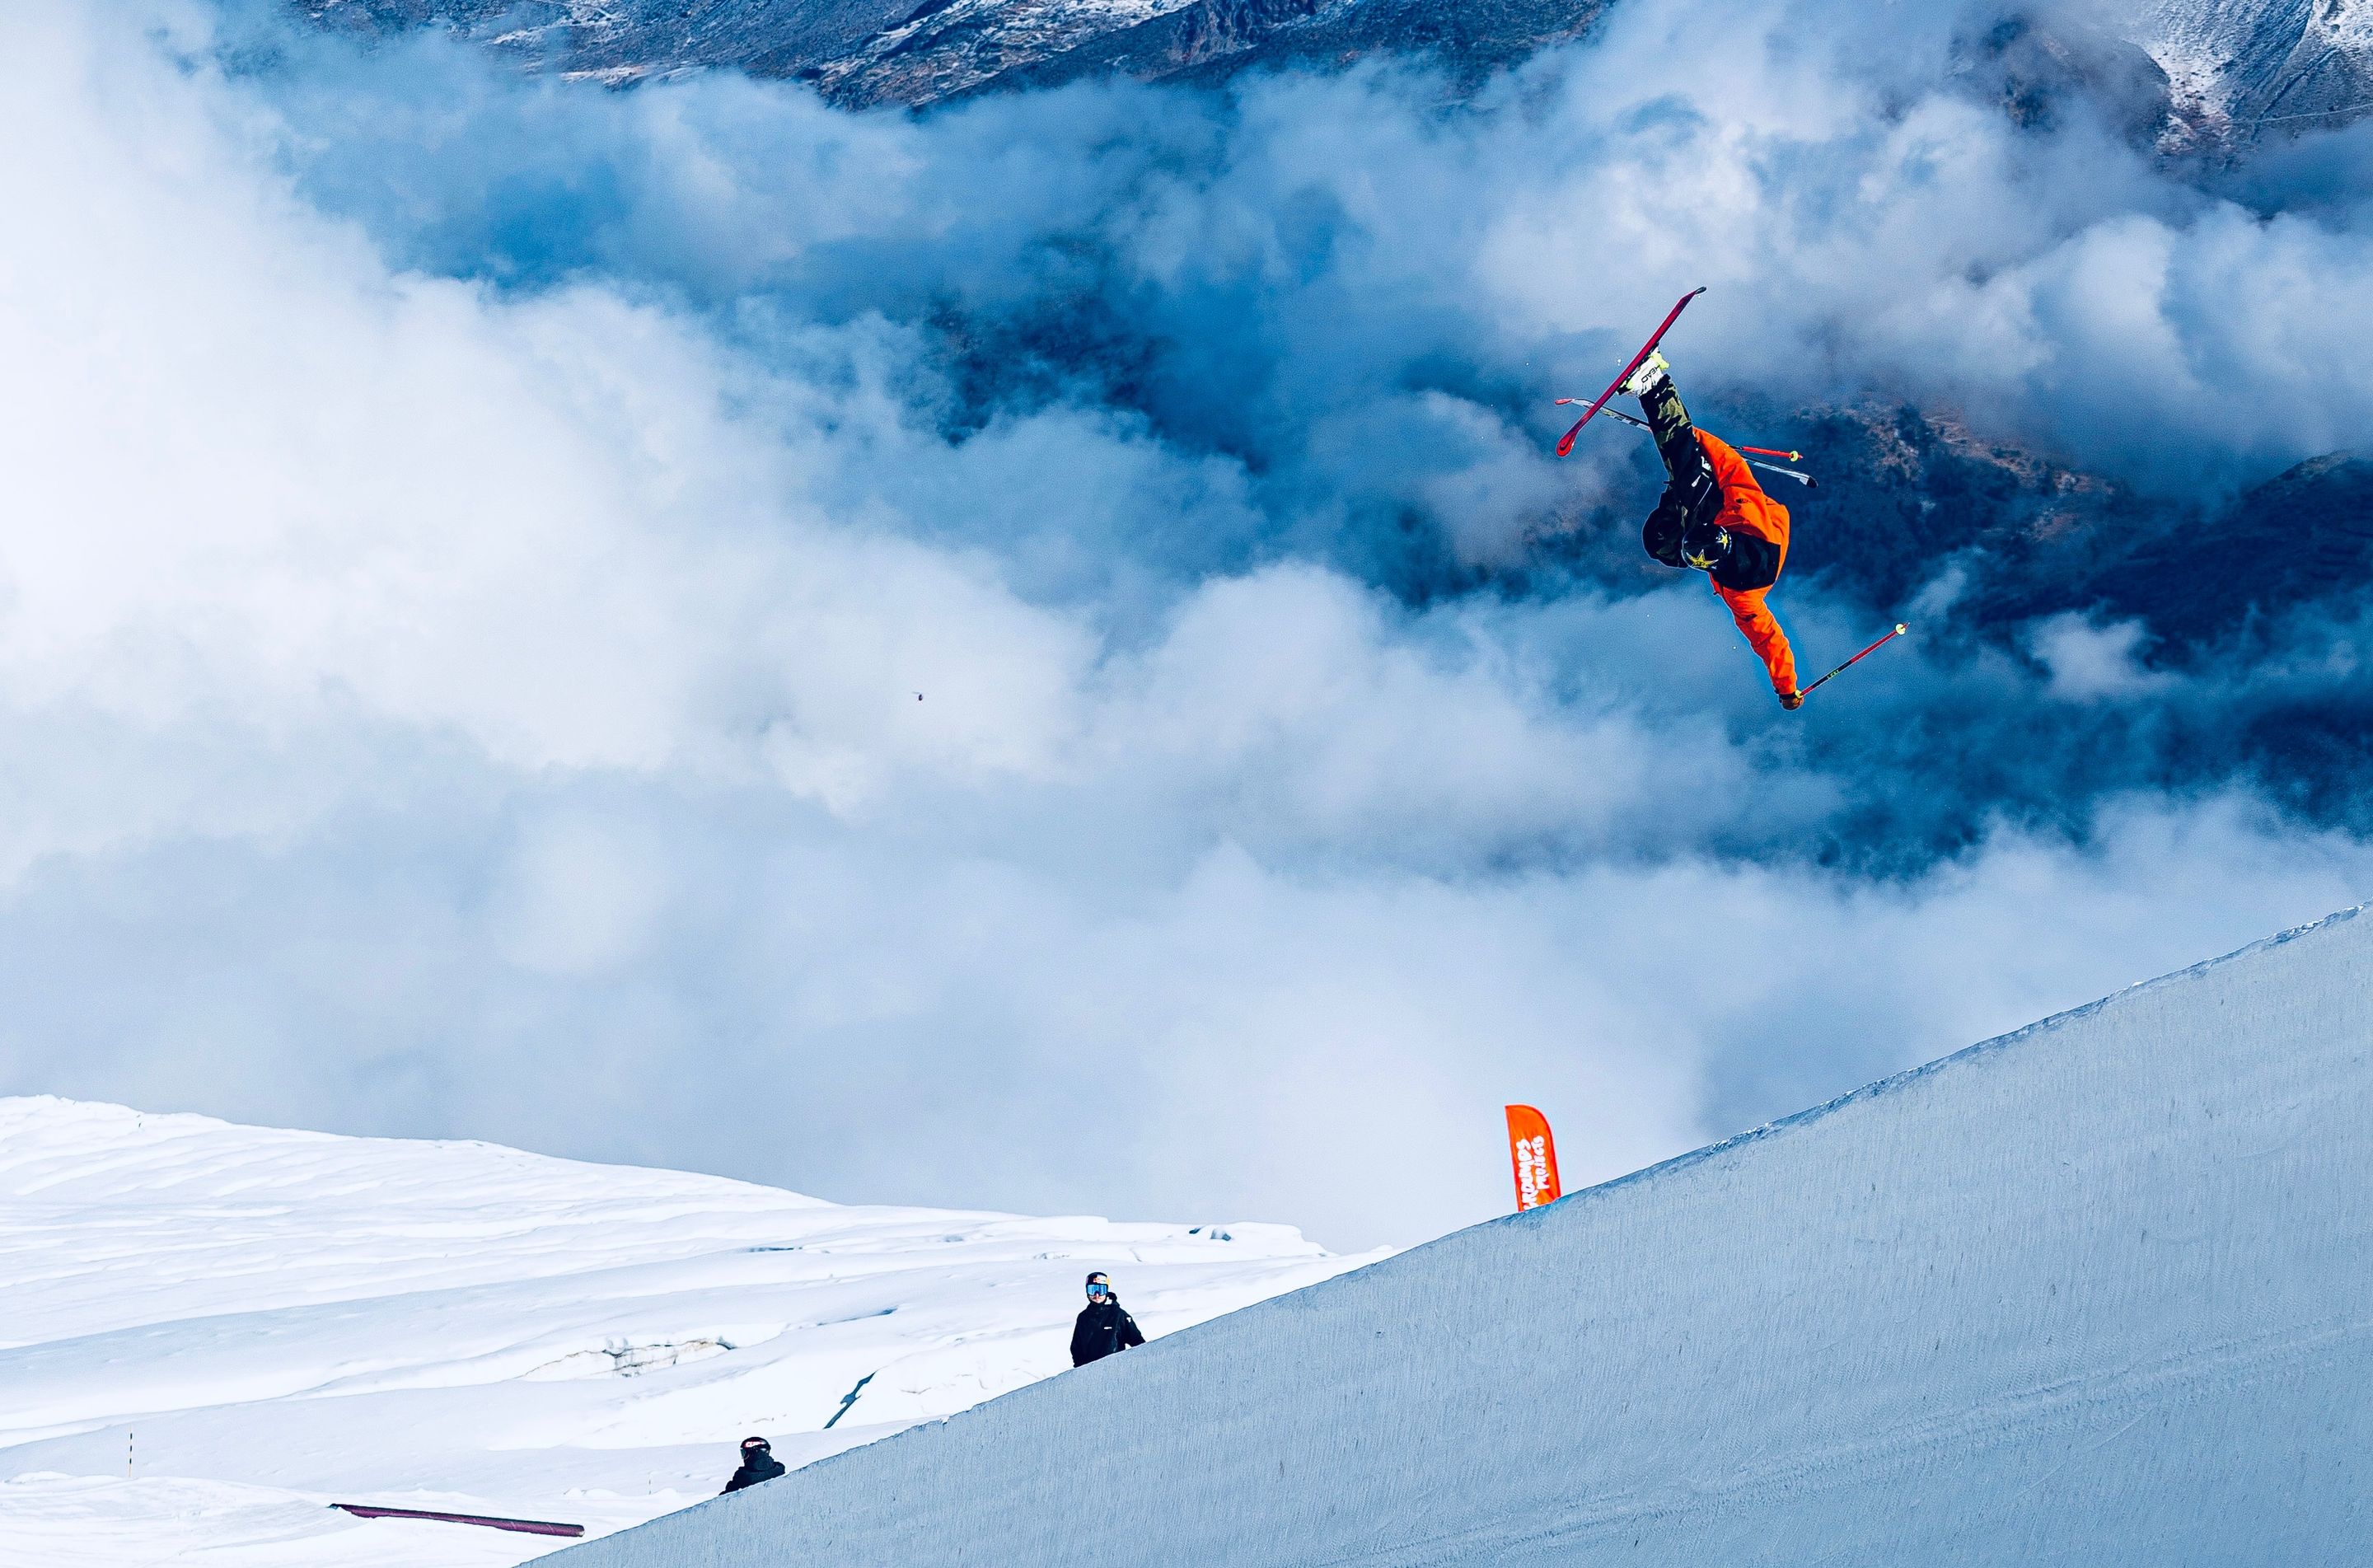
(1565, 444)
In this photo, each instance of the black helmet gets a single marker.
(1097, 1279)
(1705, 547)
(756, 1446)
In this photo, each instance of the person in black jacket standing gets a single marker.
(1103, 1329)
(758, 1463)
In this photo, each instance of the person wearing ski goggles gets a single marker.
(758, 1463)
(1104, 1327)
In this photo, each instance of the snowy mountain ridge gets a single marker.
(2253, 63)
(215, 1330)
(2234, 62)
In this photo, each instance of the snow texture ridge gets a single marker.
(2091, 1294)
(214, 1331)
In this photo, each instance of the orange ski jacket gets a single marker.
(1747, 509)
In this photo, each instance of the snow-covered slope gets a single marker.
(2094, 1294)
(2254, 63)
(210, 1332)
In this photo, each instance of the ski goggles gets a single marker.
(1099, 1287)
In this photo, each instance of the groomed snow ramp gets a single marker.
(2097, 1292)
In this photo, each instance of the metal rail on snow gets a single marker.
(525, 1527)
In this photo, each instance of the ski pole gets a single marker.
(1616, 414)
(1642, 423)
(1806, 480)
(1899, 630)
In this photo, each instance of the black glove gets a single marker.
(1661, 532)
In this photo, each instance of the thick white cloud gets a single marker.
(429, 706)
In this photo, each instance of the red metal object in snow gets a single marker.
(525, 1527)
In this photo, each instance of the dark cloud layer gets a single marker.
(481, 541)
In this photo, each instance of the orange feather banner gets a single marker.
(1533, 1153)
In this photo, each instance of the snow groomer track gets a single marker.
(2094, 1292)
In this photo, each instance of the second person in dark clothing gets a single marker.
(758, 1463)
(1103, 1329)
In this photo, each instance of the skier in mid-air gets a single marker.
(1104, 1328)
(1715, 519)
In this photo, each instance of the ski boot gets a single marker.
(1642, 383)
